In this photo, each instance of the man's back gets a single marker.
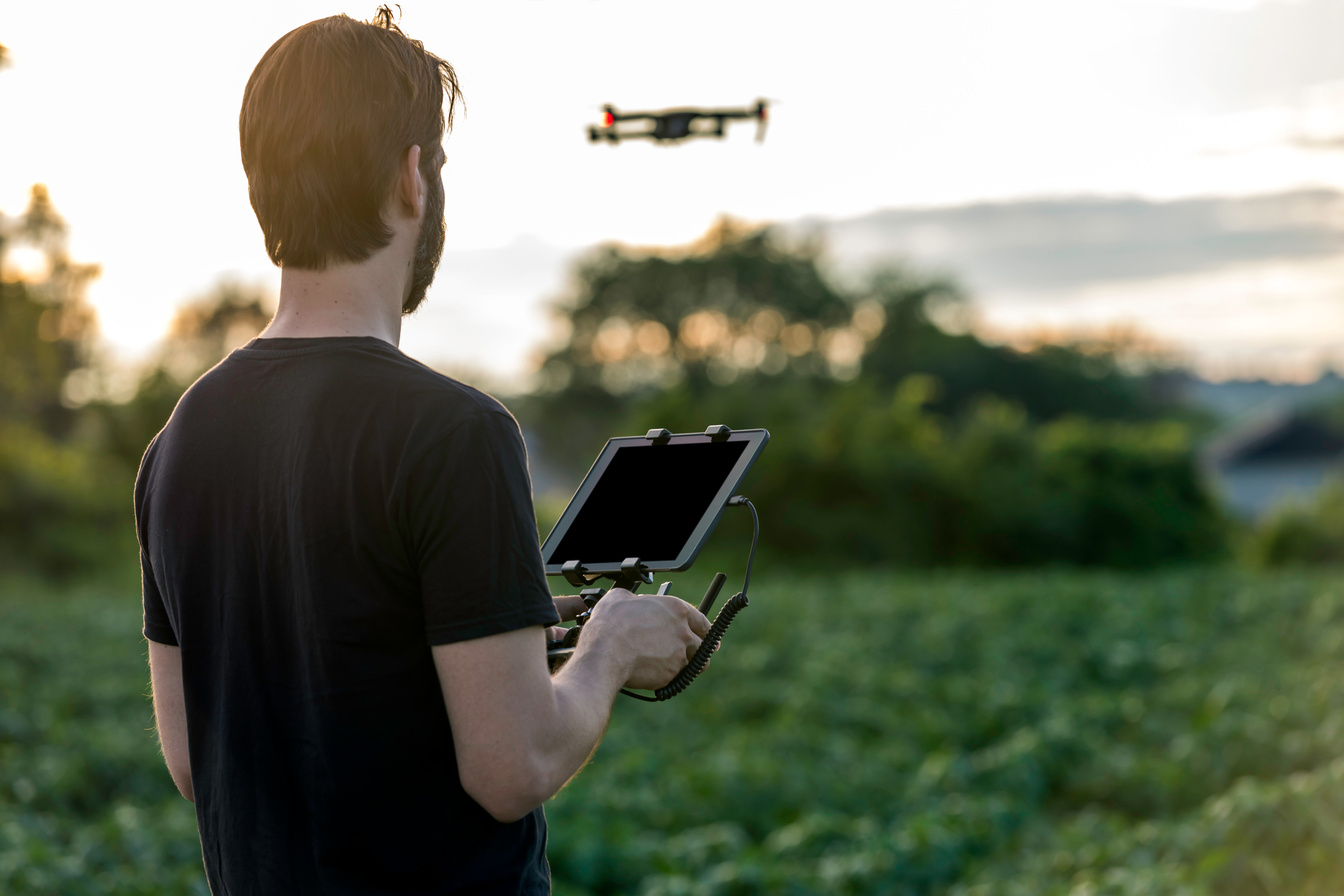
(316, 514)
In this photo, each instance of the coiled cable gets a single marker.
(700, 660)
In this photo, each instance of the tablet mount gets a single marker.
(634, 573)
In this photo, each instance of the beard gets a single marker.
(428, 247)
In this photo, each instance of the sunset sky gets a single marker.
(930, 109)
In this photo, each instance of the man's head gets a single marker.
(329, 114)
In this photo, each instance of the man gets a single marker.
(343, 592)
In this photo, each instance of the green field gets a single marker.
(966, 733)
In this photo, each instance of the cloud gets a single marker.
(1322, 144)
(1241, 285)
(1245, 54)
(1247, 286)
(1059, 245)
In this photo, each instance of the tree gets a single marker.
(60, 501)
(737, 308)
(1048, 381)
(734, 304)
(740, 309)
(46, 326)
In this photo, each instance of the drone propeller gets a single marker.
(762, 119)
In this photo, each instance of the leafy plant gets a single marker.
(967, 733)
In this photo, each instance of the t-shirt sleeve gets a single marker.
(157, 626)
(473, 534)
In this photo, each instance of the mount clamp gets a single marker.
(633, 574)
(575, 573)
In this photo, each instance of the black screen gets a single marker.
(647, 502)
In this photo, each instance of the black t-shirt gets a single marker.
(315, 515)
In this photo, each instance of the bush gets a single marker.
(62, 510)
(1301, 533)
(856, 473)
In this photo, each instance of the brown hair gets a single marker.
(327, 114)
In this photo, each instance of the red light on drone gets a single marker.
(608, 119)
(761, 113)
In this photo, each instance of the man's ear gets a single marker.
(411, 184)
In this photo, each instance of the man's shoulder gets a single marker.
(443, 404)
(440, 389)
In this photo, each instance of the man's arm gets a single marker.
(170, 712)
(520, 734)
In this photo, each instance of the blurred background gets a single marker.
(1042, 302)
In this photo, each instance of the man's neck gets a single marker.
(362, 299)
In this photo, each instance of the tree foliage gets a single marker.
(741, 309)
(67, 462)
(858, 473)
(896, 436)
(733, 304)
(59, 499)
(46, 326)
(740, 305)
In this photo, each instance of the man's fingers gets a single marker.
(692, 648)
(568, 607)
(699, 624)
(694, 618)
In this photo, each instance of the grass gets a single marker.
(86, 806)
(961, 733)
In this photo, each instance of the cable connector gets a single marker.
(737, 501)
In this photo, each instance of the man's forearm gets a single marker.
(520, 734)
(170, 713)
(585, 689)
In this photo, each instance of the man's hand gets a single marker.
(567, 608)
(650, 637)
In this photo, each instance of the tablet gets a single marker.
(655, 497)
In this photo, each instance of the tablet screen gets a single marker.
(650, 501)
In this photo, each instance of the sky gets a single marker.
(931, 111)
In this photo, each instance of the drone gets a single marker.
(675, 125)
